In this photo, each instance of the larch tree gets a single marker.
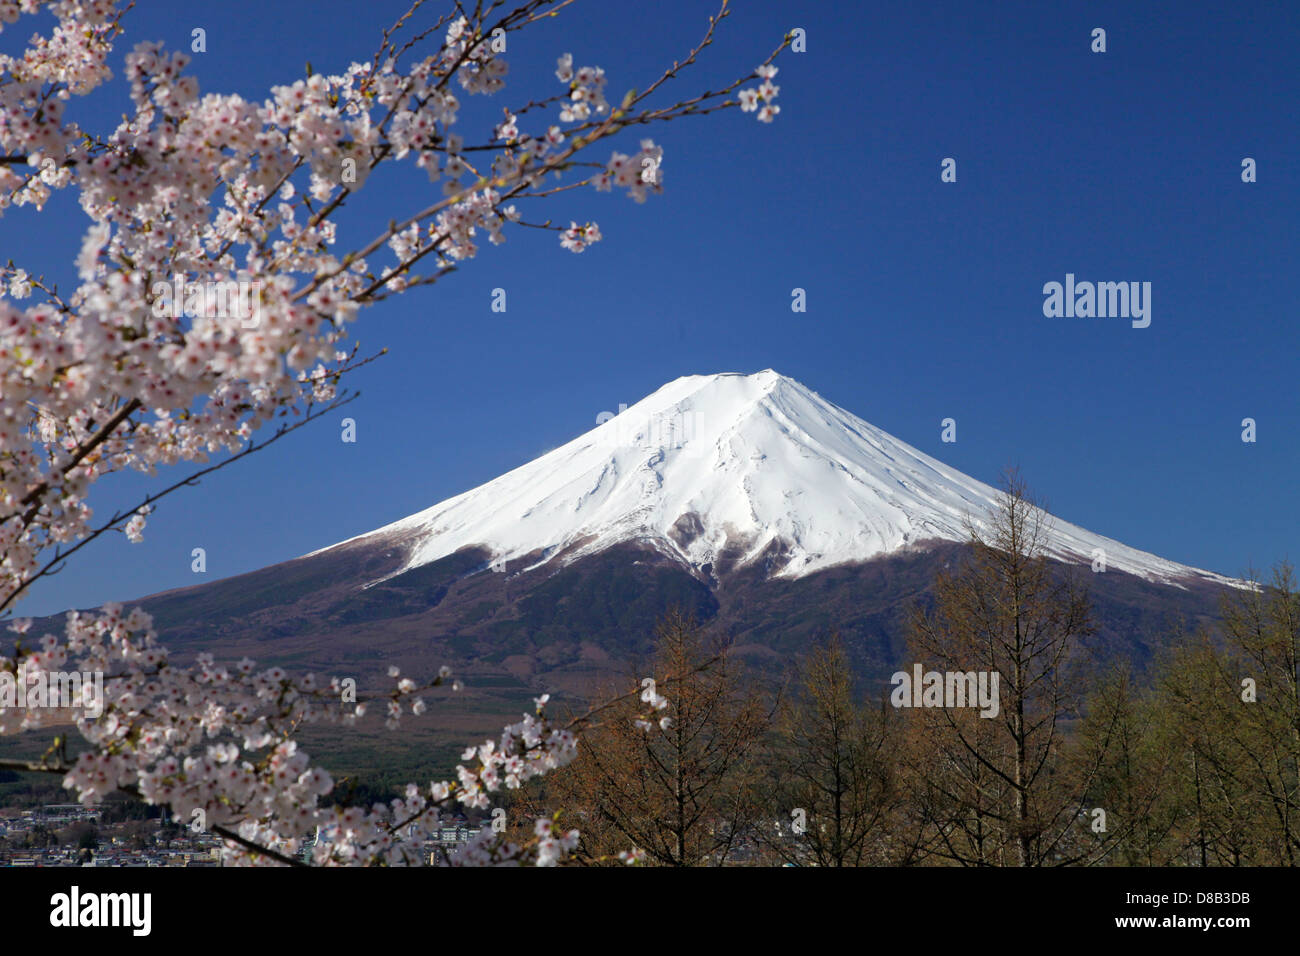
(687, 795)
(833, 797)
(1126, 750)
(1197, 698)
(1262, 624)
(1232, 705)
(995, 784)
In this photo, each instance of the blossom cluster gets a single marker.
(586, 91)
(638, 173)
(759, 99)
(576, 237)
(213, 743)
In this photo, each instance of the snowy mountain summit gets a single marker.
(741, 467)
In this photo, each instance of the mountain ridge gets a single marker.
(709, 465)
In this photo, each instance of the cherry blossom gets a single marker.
(216, 295)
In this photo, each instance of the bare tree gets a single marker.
(685, 793)
(1126, 749)
(993, 786)
(1232, 707)
(833, 791)
(1264, 624)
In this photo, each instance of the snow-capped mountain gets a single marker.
(755, 466)
(771, 515)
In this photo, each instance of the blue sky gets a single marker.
(924, 298)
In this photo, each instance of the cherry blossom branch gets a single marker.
(85, 373)
(34, 766)
(60, 557)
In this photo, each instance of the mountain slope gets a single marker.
(720, 472)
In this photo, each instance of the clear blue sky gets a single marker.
(924, 298)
